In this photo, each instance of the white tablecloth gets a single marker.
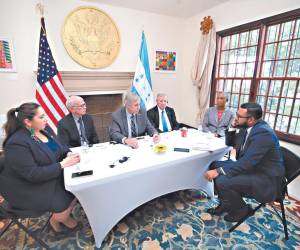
(111, 193)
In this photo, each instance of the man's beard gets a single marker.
(244, 125)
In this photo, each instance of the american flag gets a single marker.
(50, 92)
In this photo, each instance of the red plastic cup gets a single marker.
(184, 132)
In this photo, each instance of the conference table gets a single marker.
(116, 188)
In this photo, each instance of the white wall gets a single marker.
(227, 15)
(20, 21)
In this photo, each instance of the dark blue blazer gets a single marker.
(68, 134)
(31, 172)
(153, 116)
(261, 159)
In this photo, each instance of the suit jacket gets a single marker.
(68, 134)
(31, 172)
(211, 124)
(153, 115)
(261, 157)
(119, 127)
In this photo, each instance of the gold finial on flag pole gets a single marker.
(40, 8)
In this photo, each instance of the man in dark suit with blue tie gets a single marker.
(77, 128)
(161, 116)
(258, 171)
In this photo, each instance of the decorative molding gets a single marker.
(91, 81)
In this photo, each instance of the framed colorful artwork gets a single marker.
(7, 59)
(165, 61)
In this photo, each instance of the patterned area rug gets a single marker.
(174, 221)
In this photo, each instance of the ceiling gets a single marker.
(176, 8)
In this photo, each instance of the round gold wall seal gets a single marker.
(91, 37)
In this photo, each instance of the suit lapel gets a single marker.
(43, 147)
(156, 117)
(124, 120)
(73, 126)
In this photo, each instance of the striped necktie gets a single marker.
(132, 125)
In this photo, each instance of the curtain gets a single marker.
(202, 70)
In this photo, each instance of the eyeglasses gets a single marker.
(239, 116)
(81, 106)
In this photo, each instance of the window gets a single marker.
(260, 62)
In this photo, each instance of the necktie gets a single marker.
(244, 140)
(132, 125)
(82, 132)
(164, 122)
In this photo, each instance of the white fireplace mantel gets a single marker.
(96, 83)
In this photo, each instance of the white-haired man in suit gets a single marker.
(130, 122)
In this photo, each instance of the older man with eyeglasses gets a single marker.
(77, 128)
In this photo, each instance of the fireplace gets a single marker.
(103, 93)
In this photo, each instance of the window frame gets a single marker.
(256, 78)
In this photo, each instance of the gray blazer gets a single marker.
(119, 127)
(211, 124)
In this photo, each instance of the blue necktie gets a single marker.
(164, 122)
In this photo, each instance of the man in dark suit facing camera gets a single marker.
(77, 128)
(161, 116)
(258, 171)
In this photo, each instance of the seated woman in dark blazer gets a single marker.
(32, 178)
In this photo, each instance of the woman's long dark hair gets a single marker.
(16, 117)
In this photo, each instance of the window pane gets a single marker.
(286, 30)
(275, 88)
(246, 87)
(227, 87)
(241, 55)
(282, 123)
(261, 100)
(231, 70)
(220, 85)
(294, 68)
(251, 54)
(234, 41)
(296, 49)
(236, 86)
(272, 104)
(297, 30)
(289, 88)
(270, 51)
(262, 87)
(272, 33)
(234, 102)
(249, 69)
(244, 39)
(232, 56)
(280, 68)
(254, 37)
(270, 118)
(240, 70)
(296, 111)
(283, 50)
(295, 126)
(285, 106)
(225, 42)
(244, 98)
(267, 68)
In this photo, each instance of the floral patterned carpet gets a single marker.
(174, 221)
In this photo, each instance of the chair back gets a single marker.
(291, 164)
